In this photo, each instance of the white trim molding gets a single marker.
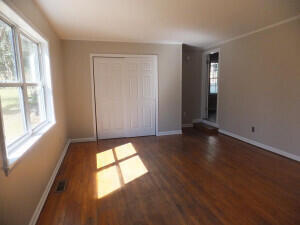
(43, 199)
(171, 132)
(253, 32)
(79, 140)
(260, 145)
(186, 125)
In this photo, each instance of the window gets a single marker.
(25, 89)
(213, 78)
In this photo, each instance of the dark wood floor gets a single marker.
(171, 180)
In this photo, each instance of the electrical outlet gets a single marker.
(252, 129)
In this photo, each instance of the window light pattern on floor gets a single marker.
(105, 158)
(117, 167)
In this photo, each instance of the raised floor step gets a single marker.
(206, 128)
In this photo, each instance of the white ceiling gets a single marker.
(194, 22)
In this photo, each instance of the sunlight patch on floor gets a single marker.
(105, 158)
(108, 181)
(132, 168)
(122, 165)
(125, 151)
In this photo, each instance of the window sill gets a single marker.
(17, 153)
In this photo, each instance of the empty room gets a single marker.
(150, 112)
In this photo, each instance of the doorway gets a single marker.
(125, 96)
(210, 88)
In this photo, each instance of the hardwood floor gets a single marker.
(190, 179)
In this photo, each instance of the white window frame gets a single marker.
(13, 152)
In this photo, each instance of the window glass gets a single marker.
(30, 59)
(213, 85)
(36, 105)
(26, 104)
(12, 112)
(7, 55)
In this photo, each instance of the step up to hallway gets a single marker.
(201, 126)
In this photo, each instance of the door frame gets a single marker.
(92, 77)
(204, 88)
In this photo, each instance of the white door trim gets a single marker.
(155, 57)
(204, 86)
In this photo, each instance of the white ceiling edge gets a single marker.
(252, 32)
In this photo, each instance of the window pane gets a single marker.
(212, 89)
(12, 111)
(7, 54)
(36, 105)
(214, 70)
(214, 78)
(30, 59)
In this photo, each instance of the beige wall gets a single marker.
(260, 80)
(191, 83)
(21, 191)
(260, 86)
(78, 82)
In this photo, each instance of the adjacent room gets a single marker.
(158, 112)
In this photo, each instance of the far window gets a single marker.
(213, 78)
(25, 102)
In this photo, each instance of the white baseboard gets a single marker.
(78, 140)
(187, 125)
(260, 145)
(171, 132)
(43, 199)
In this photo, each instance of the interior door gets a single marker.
(139, 96)
(109, 92)
(125, 96)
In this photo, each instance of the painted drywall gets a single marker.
(78, 82)
(191, 83)
(259, 86)
(21, 191)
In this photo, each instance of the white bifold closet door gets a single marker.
(125, 96)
